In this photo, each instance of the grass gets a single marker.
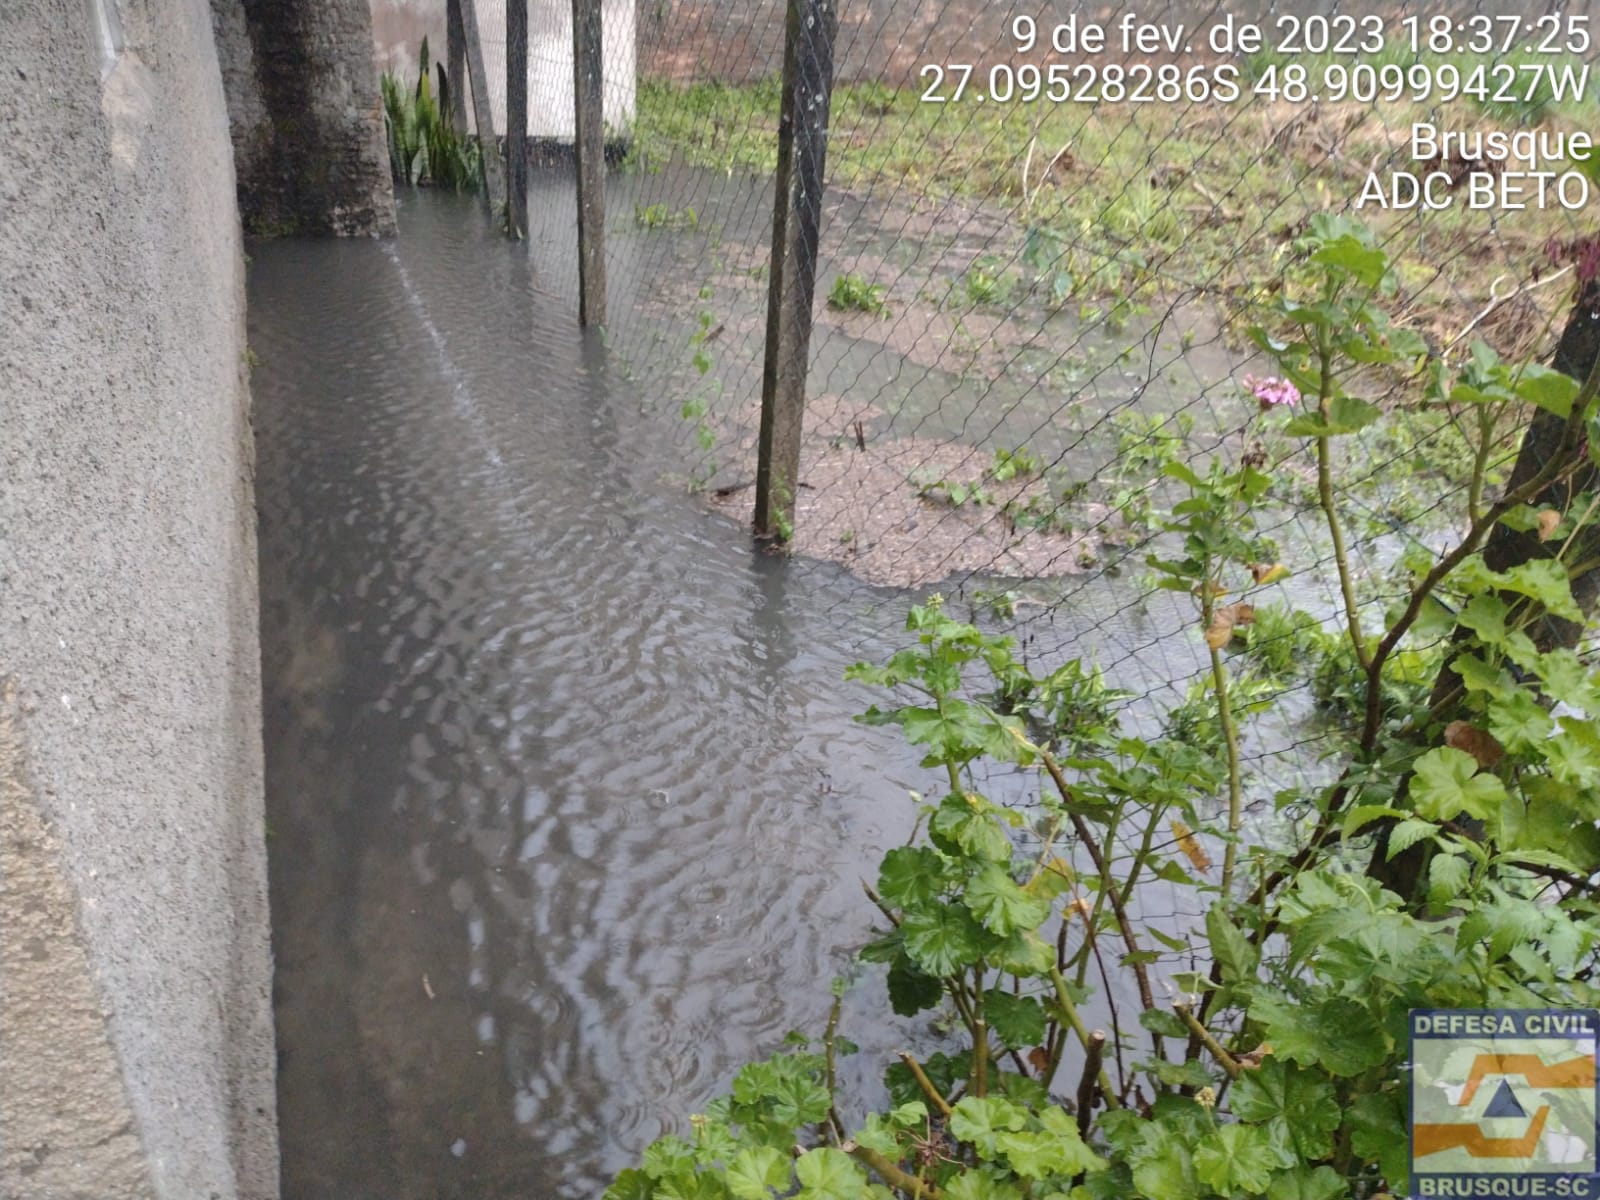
(1117, 201)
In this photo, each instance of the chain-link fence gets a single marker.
(1038, 269)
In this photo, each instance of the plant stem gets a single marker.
(835, 1126)
(978, 1080)
(1224, 1059)
(900, 1180)
(1070, 1010)
(1330, 508)
(1487, 419)
(926, 1084)
(1230, 734)
(1094, 1055)
(1086, 836)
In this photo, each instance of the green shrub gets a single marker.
(1261, 1049)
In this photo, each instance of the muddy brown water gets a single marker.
(566, 806)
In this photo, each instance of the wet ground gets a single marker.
(567, 810)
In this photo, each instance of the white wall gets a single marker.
(550, 86)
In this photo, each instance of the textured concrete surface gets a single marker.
(306, 116)
(136, 1050)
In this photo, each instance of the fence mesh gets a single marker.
(1027, 307)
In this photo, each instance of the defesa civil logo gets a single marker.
(1503, 1103)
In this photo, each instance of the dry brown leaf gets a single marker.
(1549, 522)
(1463, 735)
(1268, 572)
(1224, 620)
(1253, 1060)
(1191, 847)
(1039, 1058)
(1082, 907)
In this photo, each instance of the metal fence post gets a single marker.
(482, 112)
(589, 148)
(796, 225)
(516, 117)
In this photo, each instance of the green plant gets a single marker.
(986, 283)
(1014, 464)
(696, 408)
(1261, 1050)
(659, 216)
(956, 494)
(852, 293)
(424, 144)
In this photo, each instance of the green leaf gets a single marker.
(1546, 581)
(1167, 1024)
(1001, 904)
(1574, 756)
(1486, 617)
(1056, 1150)
(942, 939)
(1230, 947)
(910, 876)
(755, 1173)
(1365, 265)
(980, 1185)
(1346, 414)
(966, 826)
(911, 991)
(1018, 1020)
(1519, 723)
(1300, 1104)
(979, 1121)
(1448, 875)
(667, 1156)
(1063, 1129)
(1479, 676)
(1362, 815)
(1408, 833)
(878, 1134)
(1447, 783)
(1238, 1158)
(829, 1174)
(1337, 1034)
(1168, 1173)
(1378, 1134)
(704, 1186)
(631, 1184)
(1552, 390)
(1309, 1183)
(1023, 954)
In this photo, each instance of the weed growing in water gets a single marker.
(424, 145)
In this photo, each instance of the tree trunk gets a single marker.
(1505, 548)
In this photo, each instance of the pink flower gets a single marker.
(1272, 391)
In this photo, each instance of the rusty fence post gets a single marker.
(589, 149)
(796, 226)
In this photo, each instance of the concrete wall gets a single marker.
(306, 115)
(136, 1050)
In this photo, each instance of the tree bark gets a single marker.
(1544, 440)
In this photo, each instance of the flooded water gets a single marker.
(566, 806)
